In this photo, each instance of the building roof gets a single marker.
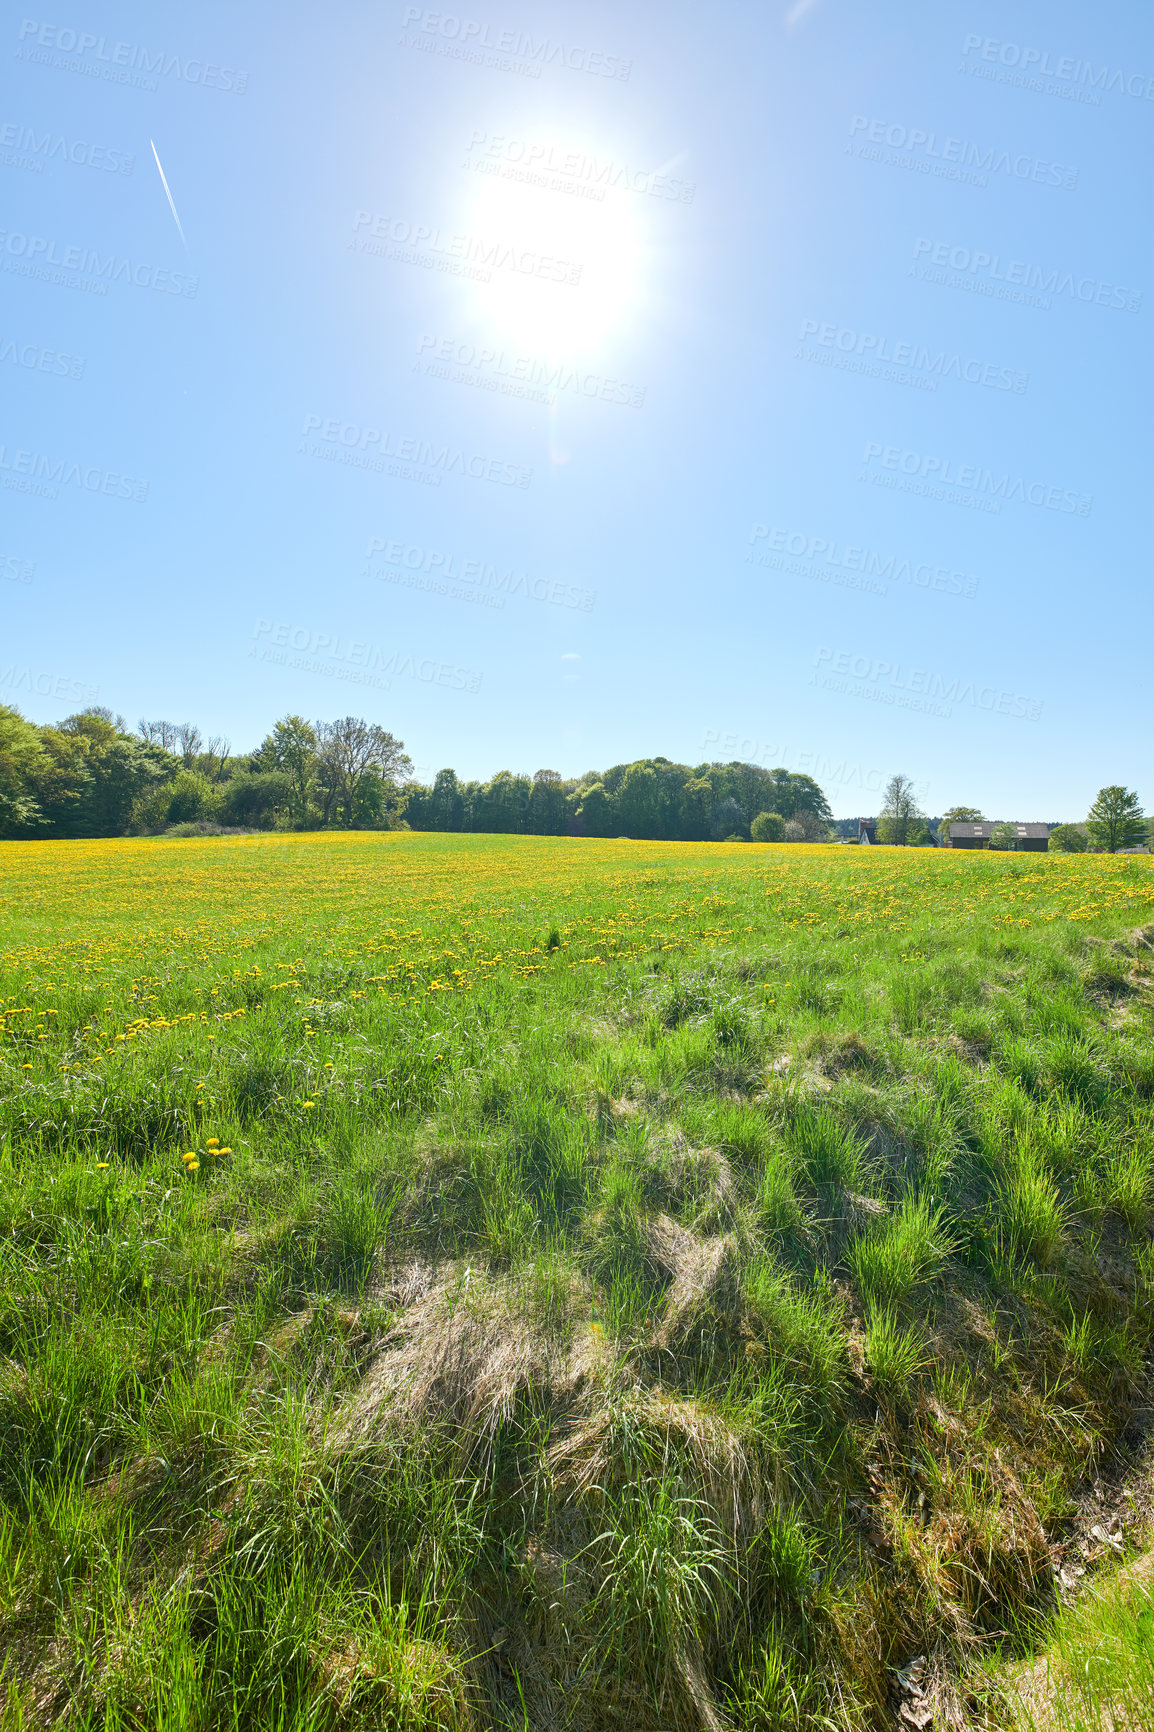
(1031, 832)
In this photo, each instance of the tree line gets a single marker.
(90, 775)
(652, 799)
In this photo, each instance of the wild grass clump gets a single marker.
(801, 1329)
(1130, 1185)
(829, 1154)
(778, 1209)
(1029, 1216)
(893, 1354)
(900, 1254)
(664, 1567)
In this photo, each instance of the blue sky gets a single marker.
(565, 384)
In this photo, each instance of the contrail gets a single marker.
(168, 195)
(797, 12)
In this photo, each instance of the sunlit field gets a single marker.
(467, 1281)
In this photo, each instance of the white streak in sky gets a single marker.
(168, 195)
(797, 12)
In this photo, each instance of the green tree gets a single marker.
(356, 763)
(809, 799)
(98, 774)
(792, 795)
(1115, 819)
(958, 815)
(900, 814)
(638, 806)
(377, 800)
(596, 810)
(190, 797)
(503, 806)
(253, 799)
(446, 804)
(473, 807)
(767, 827)
(728, 819)
(547, 807)
(1004, 836)
(696, 809)
(292, 748)
(23, 762)
(1067, 839)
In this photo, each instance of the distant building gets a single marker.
(1032, 838)
(867, 832)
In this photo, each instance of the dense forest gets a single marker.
(89, 775)
(652, 798)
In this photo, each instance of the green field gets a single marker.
(470, 1282)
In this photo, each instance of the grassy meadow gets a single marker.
(468, 1282)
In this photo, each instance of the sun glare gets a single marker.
(564, 271)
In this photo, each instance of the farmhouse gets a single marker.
(1032, 838)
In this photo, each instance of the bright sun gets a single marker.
(566, 270)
